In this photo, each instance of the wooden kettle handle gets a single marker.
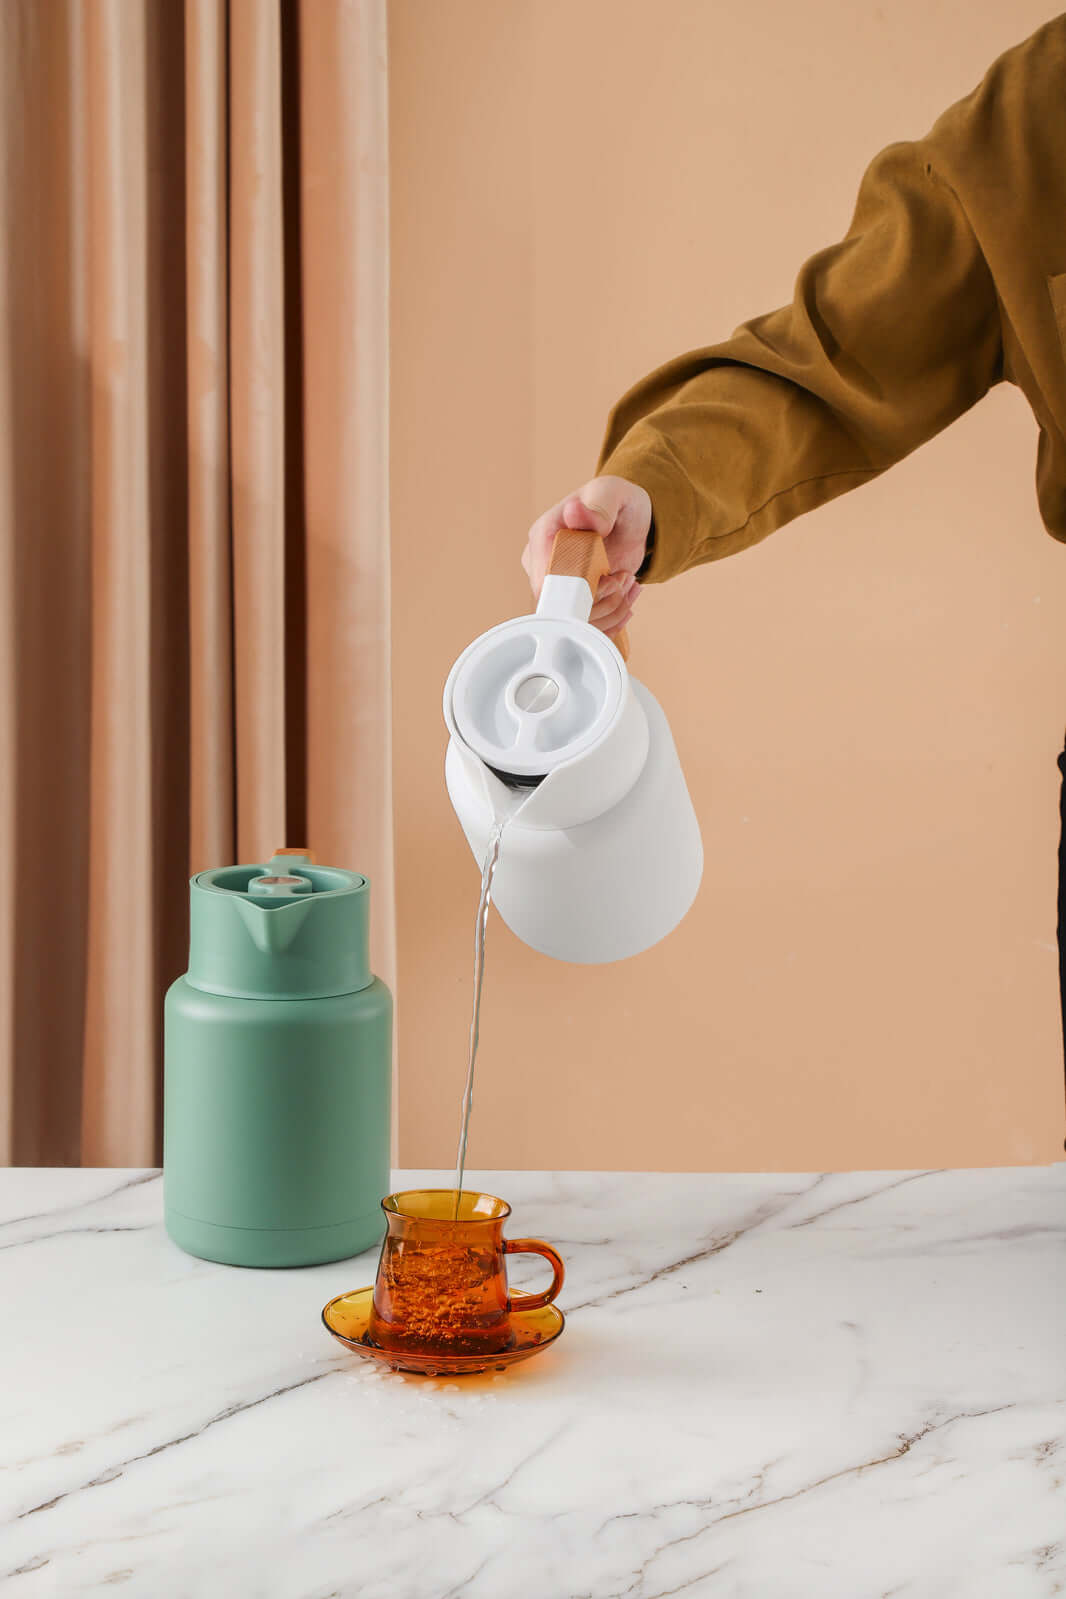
(577, 554)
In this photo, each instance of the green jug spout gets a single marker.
(273, 930)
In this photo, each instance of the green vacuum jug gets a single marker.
(278, 1069)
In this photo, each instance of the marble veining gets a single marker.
(836, 1386)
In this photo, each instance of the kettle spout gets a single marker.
(273, 930)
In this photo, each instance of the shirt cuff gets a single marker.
(672, 548)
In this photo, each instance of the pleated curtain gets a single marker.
(194, 561)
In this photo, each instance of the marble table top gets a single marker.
(769, 1387)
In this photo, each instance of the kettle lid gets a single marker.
(535, 692)
(285, 930)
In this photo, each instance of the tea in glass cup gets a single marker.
(442, 1277)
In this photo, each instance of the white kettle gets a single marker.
(601, 856)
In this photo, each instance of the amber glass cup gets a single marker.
(442, 1280)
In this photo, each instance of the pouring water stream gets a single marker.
(510, 807)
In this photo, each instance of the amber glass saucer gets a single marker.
(348, 1316)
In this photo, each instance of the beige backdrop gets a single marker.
(868, 706)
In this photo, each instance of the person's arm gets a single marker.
(891, 335)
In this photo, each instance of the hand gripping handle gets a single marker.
(577, 554)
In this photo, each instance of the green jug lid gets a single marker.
(287, 929)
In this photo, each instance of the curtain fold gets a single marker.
(45, 561)
(119, 1111)
(193, 511)
(212, 817)
(344, 198)
(257, 422)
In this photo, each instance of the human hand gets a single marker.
(620, 512)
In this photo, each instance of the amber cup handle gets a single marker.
(535, 1246)
(577, 554)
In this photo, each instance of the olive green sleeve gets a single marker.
(891, 334)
